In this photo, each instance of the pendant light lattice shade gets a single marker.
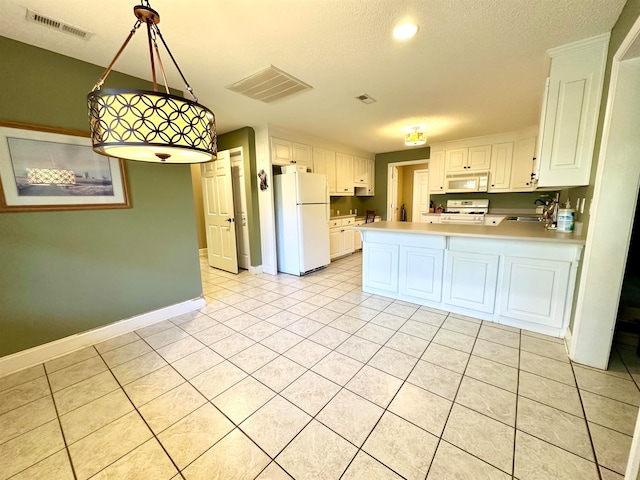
(123, 121)
(150, 126)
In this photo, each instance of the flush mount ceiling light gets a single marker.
(150, 126)
(415, 137)
(405, 31)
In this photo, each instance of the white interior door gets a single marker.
(240, 208)
(392, 193)
(219, 218)
(420, 196)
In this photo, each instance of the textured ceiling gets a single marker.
(475, 67)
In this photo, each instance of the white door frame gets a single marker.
(240, 200)
(413, 199)
(390, 167)
(608, 238)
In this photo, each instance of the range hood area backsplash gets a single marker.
(500, 203)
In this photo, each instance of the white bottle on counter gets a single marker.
(566, 219)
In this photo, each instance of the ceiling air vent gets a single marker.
(269, 85)
(57, 25)
(366, 98)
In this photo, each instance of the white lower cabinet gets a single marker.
(470, 280)
(421, 273)
(534, 290)
(380, 266)
(341, 241)
(522, 283)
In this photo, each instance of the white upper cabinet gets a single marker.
(366, 189)
(285, 152)
(436, 172)
(302, 155)
(474, 159)
(344, 174)
(572, 108)
(456, 160)
(360, 171)
(500, 174)
(479, 159)
(324, 161)
(523, 170)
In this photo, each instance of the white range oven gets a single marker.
(465, 212)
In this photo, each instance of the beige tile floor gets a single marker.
(309, 378)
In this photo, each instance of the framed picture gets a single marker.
(44, 168)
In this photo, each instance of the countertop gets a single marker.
(336, 217)
(507, 229)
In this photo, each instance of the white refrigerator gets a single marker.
(302, 221)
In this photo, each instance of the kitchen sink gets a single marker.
(524, 219)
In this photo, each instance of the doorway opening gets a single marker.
(400, 190)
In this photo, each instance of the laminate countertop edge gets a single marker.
(507, 230)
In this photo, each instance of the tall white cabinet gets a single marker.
(571, 112)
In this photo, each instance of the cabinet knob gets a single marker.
(527, 183)
(492, 185)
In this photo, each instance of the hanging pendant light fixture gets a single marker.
(415, 137)
(150, 126)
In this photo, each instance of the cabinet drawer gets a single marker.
(335, 223)
(348, 221)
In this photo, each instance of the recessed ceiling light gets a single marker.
(405, 31)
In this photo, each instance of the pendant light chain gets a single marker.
(106, 73)
(186, 83)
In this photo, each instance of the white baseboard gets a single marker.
(255, 270)
(48, 351)
(203, 252)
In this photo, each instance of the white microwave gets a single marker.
(467, 182)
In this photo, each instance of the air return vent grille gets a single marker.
(57, 25)
(269, 85)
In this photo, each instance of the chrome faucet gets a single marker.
(550, 211)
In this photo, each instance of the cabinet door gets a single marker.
(348, 245)
(436, 172)
(534, 290)
(501, 160)
(301, 154)
(380, 267)
(479, 159)
(344, 174)
(523, 165)
(456, 160)
(470, 280)
(324, 161)
(281, 151)
(573, 106)
(360, 171)
(357, 240)
(335, 242)
(371, 177)
(421, 273)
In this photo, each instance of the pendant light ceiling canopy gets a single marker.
(415, 137)
(150, 126)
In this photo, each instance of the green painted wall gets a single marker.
(68, 272)
(246, 138)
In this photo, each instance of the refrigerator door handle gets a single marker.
(328, 200)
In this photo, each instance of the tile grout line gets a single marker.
(586, 421)
(64, 437)
(135, 407)
(515, 429)
(453, 403)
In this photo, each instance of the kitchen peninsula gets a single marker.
(515, 273)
